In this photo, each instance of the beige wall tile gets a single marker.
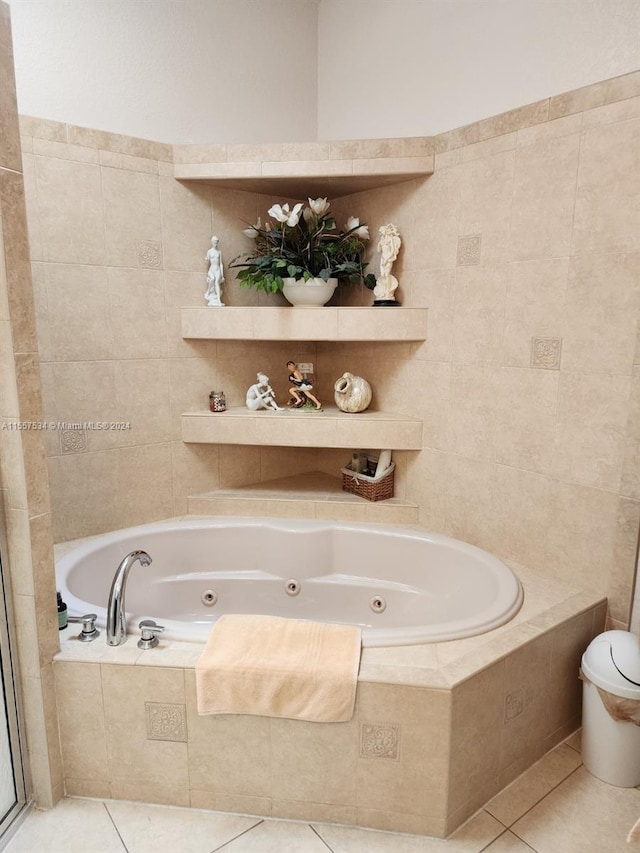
(82, 734)
(228, 754)
(523, 726)
(543, 198)
(581, 535)
(479, 314)
(564, 688)
(137, 311)
(42, 128)
(33, 216)
(194, 469)
(604, 92)
(476, 719)
(485, 202)
(144, 488)
(611, 113)
(314, 763)
(526, 418)
(607, 191)
(128, 162)
(590, 435)
(521, 509)
(489, 147)
(118, 143)
(70, 210)
(132, 757)
(413, 777)
(468, 513)
(16, 257)
(550, 130)
(8, 384)
(435, 230)
(163, 794)
(64, 151)
(623, 568)
(142, 398)
(507, 122)
(78, 312)
(186, 225)
(473, 416)
(434, 290)
(131, 213)
(92, 480)
(191, 380)
(534, 306)
(183, 289)
(600, 319)
(9, 131)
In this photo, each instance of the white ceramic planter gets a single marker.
(310, 294)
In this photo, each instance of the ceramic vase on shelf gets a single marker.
(309, 294)
(352, 393)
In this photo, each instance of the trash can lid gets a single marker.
(612, 662)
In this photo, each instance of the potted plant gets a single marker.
(304, 254)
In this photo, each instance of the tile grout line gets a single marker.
(239, 835)
(555, 787)
(106, 808)
(313, 829)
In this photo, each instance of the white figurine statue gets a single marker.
(215, 276)
(388, 246)
(262, 396)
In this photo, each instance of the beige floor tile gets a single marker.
(150, 829)
(471, 838)
(278, 837)
(52, 830)
(533, 785)
(582, 815)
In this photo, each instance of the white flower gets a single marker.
(353, 225)
(283, 214)
(319, 206)
(252, 231)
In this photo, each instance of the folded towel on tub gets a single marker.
(276, 667)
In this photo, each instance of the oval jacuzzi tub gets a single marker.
(400, 585)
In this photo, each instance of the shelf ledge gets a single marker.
(330, 428)
(311, 495)
(304, 324)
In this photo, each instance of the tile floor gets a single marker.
(555, 807)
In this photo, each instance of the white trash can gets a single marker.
(611, 738)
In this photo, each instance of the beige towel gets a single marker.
(278, 667)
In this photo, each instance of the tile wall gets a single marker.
(524, 246)
(27, 550)
(419, 757)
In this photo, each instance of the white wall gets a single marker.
(170, 70)
(273, 70)
(418, 67)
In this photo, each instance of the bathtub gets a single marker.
(401, 586)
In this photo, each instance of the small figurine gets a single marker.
(389, 247)
(301, 388)
(215, 275)
(262, 396)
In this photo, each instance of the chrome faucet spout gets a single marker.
(116, 613)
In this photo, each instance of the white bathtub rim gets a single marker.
(179, 631)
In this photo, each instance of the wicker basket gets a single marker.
(366, 487)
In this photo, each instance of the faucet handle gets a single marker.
(150, 630)
(89, 631)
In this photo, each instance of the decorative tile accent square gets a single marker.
(546, 353)
(380, 740)
(469, 249)
(150, 255)
(73, 441)
(513, 704)
(166, 722)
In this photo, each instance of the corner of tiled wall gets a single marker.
(23, 471)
